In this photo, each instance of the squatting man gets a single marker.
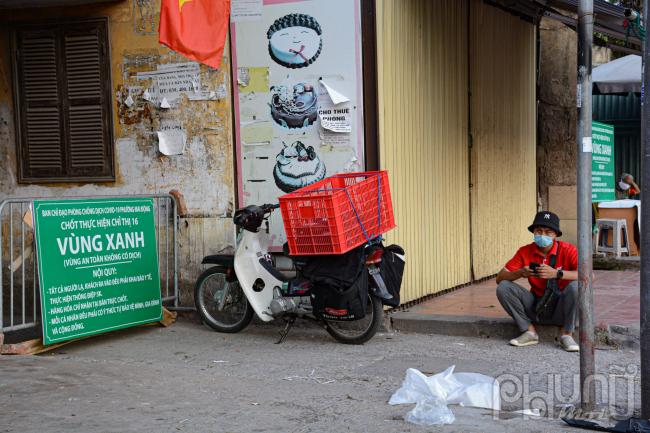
(549, 264)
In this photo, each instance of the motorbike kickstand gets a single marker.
(285, 331)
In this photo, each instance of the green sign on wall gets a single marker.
(602, 163)
(97, 265)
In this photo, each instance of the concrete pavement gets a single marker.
(475, 311)
(188, 378)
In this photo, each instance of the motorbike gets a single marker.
(273, 287)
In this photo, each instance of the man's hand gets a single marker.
(546, 272)
(525, 272)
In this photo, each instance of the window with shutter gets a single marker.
(62, 92)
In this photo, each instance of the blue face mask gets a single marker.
(543, 241)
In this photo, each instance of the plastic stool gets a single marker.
(620, 243)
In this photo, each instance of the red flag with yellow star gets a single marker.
(195, 28)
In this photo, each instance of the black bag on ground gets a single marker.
(392, 271)
(340, 285)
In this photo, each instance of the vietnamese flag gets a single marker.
(195, 28)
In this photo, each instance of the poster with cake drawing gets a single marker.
(298, 102)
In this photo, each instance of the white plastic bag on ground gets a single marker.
(430, 411)
(418, 386)
(434, 393)
(476, 390)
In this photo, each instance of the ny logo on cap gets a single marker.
(547, 216)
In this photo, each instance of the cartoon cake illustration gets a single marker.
(294, 108)
(295, 40)
(297, 166)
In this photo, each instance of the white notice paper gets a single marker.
(336, 118)
(171, 138)
(243, 76)
(171, 80)
(337, 97)
(171, 142)
(334, 139)
(245, 10)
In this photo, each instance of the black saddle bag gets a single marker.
(392, 271)
(341, 304)
(339, 285)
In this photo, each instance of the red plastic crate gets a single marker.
(321, 218)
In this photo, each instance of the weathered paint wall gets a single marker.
(557, 148)
(422, 72)
(203, 174)
(556, 152)
(503, 109)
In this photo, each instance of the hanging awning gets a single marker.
(618, 76)
(608, 17)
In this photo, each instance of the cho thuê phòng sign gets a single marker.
(97, 266)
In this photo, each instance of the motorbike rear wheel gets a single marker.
(221, 304)
(358, 331)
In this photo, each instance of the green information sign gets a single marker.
(97, 265)
(602, 163)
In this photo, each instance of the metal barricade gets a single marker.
(19, 290)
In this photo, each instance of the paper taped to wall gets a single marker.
(245, 10)
(171, 80)
(171, 142)
(337, 97)
(336, 119)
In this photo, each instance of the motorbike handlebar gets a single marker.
(270, 207)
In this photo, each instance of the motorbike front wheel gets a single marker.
(358, 331)
(221, 304)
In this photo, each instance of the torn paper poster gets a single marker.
(171, 80)
(245, 10)
(171, 142)
(336, 119)
(352, 165)
(164, 103)
(147, 96)
(337, 97)
(243, 77)
(129, 101)
(253, 79)
(222, 91)
(335, 139)
(171, 137)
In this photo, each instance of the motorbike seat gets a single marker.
(219, 259)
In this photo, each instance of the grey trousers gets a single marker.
(519, 303)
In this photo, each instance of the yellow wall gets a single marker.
(502, 50)
(423, 67)
(422, 73)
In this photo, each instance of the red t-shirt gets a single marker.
(567, 260)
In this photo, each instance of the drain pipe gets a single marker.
(585, 257)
